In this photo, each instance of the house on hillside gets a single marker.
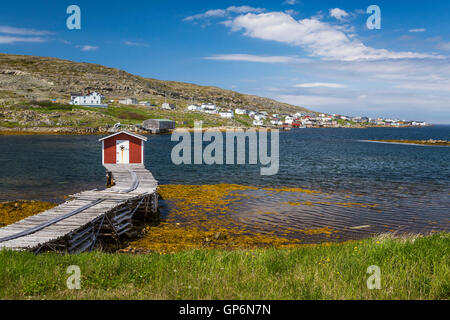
(258, 123)
(128, 101)
(276, 122)
(92, 99)
(227, 114)
(288, 120)
(209, 108)
(194, 107)
(260, 116)
(167, 106)
(240, 111)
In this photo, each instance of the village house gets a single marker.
(93, 99)
(227, 114)
(167, 106)
(208, 106)
(259, 117)
(194, 107)
(128, 101)
(258, 123)
(276, 122)
(240, 111)
(288, 120)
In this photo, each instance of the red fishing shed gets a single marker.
(123, 148)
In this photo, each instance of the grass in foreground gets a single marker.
(411, 268)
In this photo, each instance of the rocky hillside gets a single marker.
(39, 78)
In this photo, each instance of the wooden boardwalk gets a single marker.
(75, 225)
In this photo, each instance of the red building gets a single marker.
(123, 148)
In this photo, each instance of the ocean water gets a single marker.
(383, 187)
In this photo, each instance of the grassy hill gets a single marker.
(27, 79)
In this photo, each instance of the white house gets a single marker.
(92, 99)
(194, 107)
(167, 106)
(276, 122)
(240, 111)
(226, 114)
(128, 101)
(289, 120)
(144, 103)
(208, 106)
(258, 123)
(259, 117)
(251, 114)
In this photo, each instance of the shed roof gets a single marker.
(126, 132)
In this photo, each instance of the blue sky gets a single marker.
(317, 54)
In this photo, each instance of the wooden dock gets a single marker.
(76, 225)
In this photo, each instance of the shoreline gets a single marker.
(4, 131)
(421, 143)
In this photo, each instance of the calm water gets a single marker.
(408, 184)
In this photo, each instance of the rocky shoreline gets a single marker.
(67, 130)
(429, 142)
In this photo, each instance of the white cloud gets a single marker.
(379, 82)
(13, 35)
(290, 2)
(417, 30)
(23, 31)
(444, 46)
(319, 85)
(244, 9)
(319, 38)
(135, 44)
(339, 14)
(223, 12)
(312, 100)
(291, 12)
(11, 40)
(255, 58)
(88, 48)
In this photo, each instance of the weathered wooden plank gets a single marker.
(113, 198)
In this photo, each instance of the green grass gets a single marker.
(411, 268)
(136, 114)
(120, 113)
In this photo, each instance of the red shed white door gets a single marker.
(123, 151)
